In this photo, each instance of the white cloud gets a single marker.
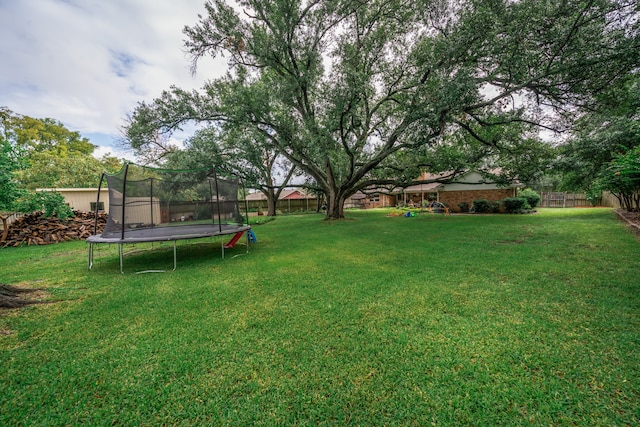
(120, 153)
(88, 62)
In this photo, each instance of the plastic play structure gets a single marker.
(433, 207)
(437, 207)
(161, 205)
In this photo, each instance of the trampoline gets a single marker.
(162, 205)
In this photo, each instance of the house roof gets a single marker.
(419, 188)
(366, 192)
(469, 177)
(292, 195)
(358, 196)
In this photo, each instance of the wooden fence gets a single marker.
(572, 200)
(552, 199)
(10, 220)
(610, 200)
(289, 205)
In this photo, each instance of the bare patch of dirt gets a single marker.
(14, 297)
(632, 219)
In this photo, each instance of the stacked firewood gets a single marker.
(33, 229)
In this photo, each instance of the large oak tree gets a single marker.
(344, 88)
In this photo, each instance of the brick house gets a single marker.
(466, 188)
(378, 198)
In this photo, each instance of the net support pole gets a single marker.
(151, 202)
(246, 202)
(210, 201)
(95, 222)
(215, 177)
(124, 203)
(120, 252)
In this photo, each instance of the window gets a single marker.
(100, 206)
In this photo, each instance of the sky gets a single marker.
(87, 63)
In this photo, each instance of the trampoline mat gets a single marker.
(160, 234)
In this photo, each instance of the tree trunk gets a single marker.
(5, 229)
(272, 200)
(627, 202)
(271, 206)
(335, 205)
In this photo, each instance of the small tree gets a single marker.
(9, 191)
(622, 179)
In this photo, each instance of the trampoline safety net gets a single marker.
(143, 197)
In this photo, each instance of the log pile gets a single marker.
(34, 230)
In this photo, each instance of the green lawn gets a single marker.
(459, 320)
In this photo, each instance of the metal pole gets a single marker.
(215, 176)
(124, 203)
(151, 200)
(120, 252)
(175, 258)
(246, 202)
(211, 201)
(95, 222)
(90, 256)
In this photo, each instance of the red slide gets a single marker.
(234, 240)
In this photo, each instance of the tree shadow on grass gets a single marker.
(13, 297)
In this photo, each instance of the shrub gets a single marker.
(515, 205)
(594, 195)
(464, 206)
(51, 203)
(483, 206)
(533, 198)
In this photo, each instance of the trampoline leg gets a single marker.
(120, 252)
(222, 246)
(90, 256)
(175, 258)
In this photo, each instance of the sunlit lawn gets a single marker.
(460, 320)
